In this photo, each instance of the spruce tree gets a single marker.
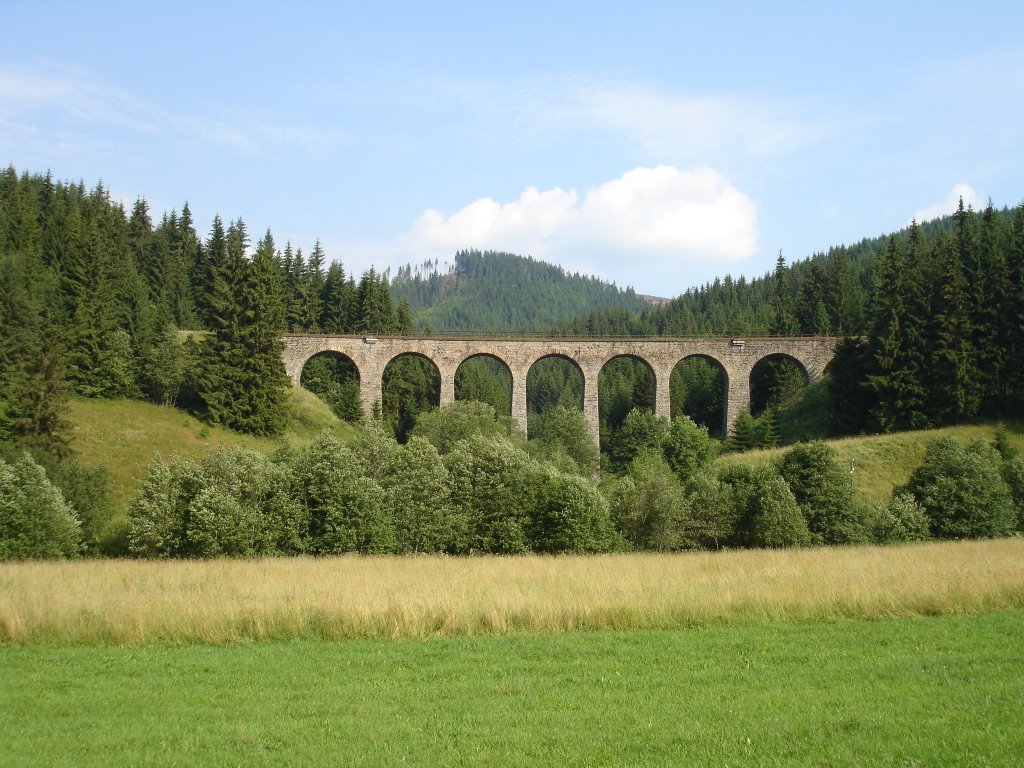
(953, 379)
(332, 318)
(991, 339)
(784, 322)
(221, 382)
(1014, 312)
(887, 381)
(313, 286)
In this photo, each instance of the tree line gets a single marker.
(946, 338)
(466, 482)
(498, 292)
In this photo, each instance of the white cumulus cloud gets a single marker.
(949, 205)
(649, 228)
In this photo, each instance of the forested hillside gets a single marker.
(491, 291)
(830, 293)
(95, 297)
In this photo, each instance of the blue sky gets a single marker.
(657, 145)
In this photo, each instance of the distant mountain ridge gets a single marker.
(494, 291)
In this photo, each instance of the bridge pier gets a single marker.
(737, 398)
(662, 390)
(519, 398)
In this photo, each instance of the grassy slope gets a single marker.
(122, 435)
(882, 462)
(938, 691)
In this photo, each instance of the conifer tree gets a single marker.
(211, 260)
(990, 342)
(242, 379)
(895, 380)
(312, 292)
(220, 379)
(332, 318)
(784, 322)
(810, 309)
(953, 378)
(1014, 312)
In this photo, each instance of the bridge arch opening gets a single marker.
(775, 381)
(487, 379)
(552, 380)
(699, 388)
(624, 383)
(334, 378)
(410, 384)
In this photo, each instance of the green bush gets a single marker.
(1013, 473)
(570, 515)
(962, 490)
(233, 502)
(765, 510)
(902, 519)
(346, 511)
(35, 521)
(492, 488)
(688, 448)
(564, 431)
(649, 507)
(641, 432)
(444, 427)
(824, 492)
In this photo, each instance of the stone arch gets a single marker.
(776, 378)
(335, 378)
(699, 386)
(471, 382)
(625, 381)
(566, 387)
(410, 382)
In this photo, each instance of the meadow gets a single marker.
(903, 656)
(124, 602)
(935, 691)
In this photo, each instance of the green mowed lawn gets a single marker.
(936, 691)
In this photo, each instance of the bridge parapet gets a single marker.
(737, 357)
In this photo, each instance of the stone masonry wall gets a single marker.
(371, 356)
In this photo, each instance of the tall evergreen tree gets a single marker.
(1014, 312)
(313, 286)
(210, 262)
(784, 322)
(332, 318)
(953, 378)
(811, 312)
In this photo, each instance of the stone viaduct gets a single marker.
(737, 358)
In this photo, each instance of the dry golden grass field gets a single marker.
(124, 602)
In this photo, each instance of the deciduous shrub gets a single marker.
(766, 511)
(688, 448)
(565, 431)
(35, 521)
(962, 490)
(491, 489)
(444, 427)
(641, 432)
(824, 492)
(232, 502)
(902, 519)
(570, 515)
(649, 506)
